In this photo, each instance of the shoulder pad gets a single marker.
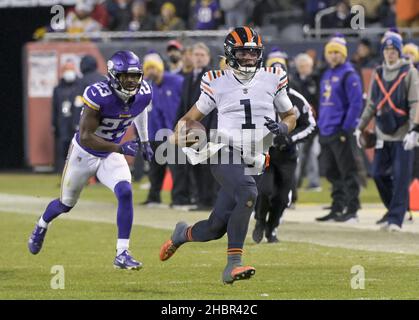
(212, 75)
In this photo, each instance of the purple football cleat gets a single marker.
(37, 239)
(126, 261)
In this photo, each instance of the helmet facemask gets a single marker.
(126, 84)
(245, 60)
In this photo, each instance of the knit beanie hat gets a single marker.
(276, 56)
(413, 50)
(393, 39)
(394, 42)
(337, 43)
(153, 60)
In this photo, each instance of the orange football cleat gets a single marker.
(167, 250)
(238, 273)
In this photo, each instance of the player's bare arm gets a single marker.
(89, 122)
(289, 118)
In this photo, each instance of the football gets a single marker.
(368, 139)
(194, 126)
(196, 134)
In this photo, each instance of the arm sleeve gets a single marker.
(413, 95)
(141, 123)
(353, 90)
(306, 124)
(413, 86)
(206, 102)
(281, 82)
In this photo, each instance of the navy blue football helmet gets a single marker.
(125, 73)
(247, 39)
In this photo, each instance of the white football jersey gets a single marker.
(243, 106)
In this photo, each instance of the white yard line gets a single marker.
(299, 225)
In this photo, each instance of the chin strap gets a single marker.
(243, 77)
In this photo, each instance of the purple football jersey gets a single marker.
(115, 115)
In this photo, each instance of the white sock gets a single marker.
(121, 246)
(42, 223)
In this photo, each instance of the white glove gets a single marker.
(357, 135)
(410, 141)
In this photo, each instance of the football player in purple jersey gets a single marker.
(110, 107)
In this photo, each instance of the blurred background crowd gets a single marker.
(175, 64)
(272, 16)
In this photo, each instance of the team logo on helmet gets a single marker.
(243, 39)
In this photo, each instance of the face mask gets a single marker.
(69, 76)
(174, 59)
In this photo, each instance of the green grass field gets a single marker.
(48, 185)
(288, 270)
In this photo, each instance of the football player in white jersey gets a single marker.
(247, 97)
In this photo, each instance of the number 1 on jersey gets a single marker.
(248, 115)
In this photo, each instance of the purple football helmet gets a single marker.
(125, 73)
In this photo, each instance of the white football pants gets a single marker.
(81, 165)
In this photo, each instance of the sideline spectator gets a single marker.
(120, 14)
(340, 106)
(311, 9)
(141, 20)
(235, 12)
(182, 7)
(394, 114)
(387, 13)
(364, 57)
(100, 13)
(307, 83)
(167, 20)
(167, 90)
(80, 20)
(187, 61)
(411, 51)
(63, 110)
(206, 15)
(174, 53)
(90, 75)
(88, 67)
(206, 188)
(341, 18)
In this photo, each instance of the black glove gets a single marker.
(275, 127)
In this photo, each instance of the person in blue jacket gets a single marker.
(340, 106)
(167, 90)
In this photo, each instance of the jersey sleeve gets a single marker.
(91, 98)
(141, 124)
(281, 80)
(282, 102)
(206, 102)
(306, 124)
